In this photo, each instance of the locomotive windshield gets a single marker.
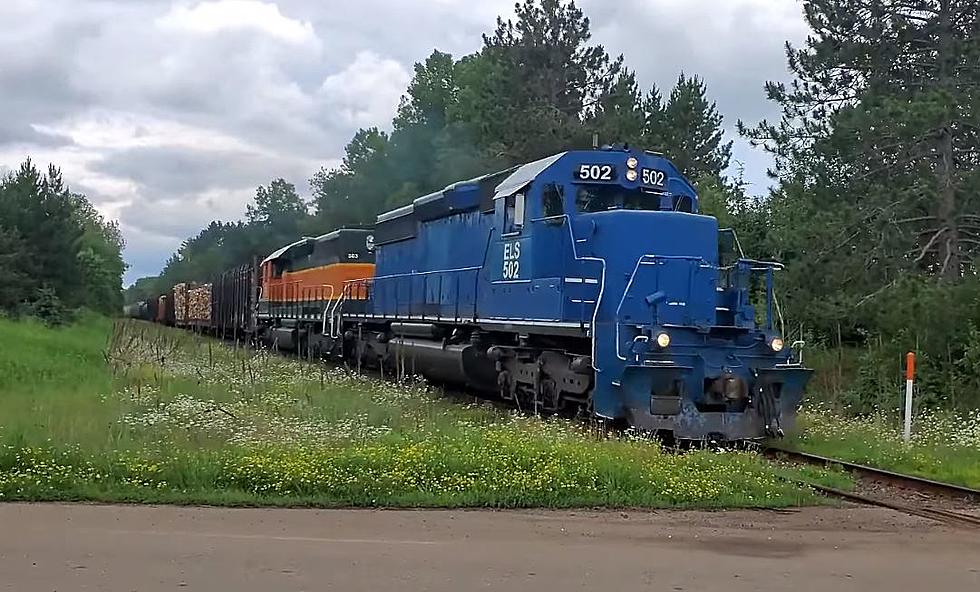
(599, 198)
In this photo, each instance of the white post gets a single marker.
(909, 381)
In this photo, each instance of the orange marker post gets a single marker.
(909, 381)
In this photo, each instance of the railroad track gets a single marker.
(905, 482)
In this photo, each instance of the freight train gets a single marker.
(587, 281)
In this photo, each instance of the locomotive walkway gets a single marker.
(85, 547)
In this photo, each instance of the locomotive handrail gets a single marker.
(767, 267)
(674, 257)
(413, 274)
(573, 242)
(754, 266)
(758, 265)
(367, 283)
(761, 265)
(330, 307)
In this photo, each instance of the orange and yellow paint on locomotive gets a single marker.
(316, 283)
(297, 280)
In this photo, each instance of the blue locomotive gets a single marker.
(582, 281)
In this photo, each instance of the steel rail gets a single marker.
(947, 516)
(899, 479)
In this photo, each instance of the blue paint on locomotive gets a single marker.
(578, 241)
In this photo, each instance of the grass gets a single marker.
(130, 412)
(944, 446)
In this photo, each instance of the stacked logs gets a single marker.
(199, 305)
(180, 304)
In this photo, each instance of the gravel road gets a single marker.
(66, 548)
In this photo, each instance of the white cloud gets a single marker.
(236, 15)
(367, 91)
(734, 46)
(168, 113)
(17, 8)
(119, 130)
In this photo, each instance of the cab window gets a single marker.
(599, 198)
(684, 204)
(551, 202)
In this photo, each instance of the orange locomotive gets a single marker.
(302, 282)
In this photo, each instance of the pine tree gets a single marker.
(618, 116)
(883, 121)
(55, 249)
(656, 135)
(41, 209)
(525, 94)
(17, 285)
(688, 128)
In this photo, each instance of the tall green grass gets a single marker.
(945, 446)
(133, 412)
(53, 383)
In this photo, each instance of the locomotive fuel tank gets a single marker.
(422, 349)
(461, 364)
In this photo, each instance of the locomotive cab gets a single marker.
(613, 241)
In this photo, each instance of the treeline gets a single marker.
(875, 208)
(538, 86)
(57, 254)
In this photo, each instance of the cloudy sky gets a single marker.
(168, 113)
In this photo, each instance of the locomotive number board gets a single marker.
(653, 178)
(596, 173)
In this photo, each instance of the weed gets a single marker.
(945, 446)
(135, 412)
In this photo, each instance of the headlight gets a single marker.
(631, 175)
(631, 162)
(663, 340)
(777, 344)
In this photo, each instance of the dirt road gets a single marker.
(72, 548)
